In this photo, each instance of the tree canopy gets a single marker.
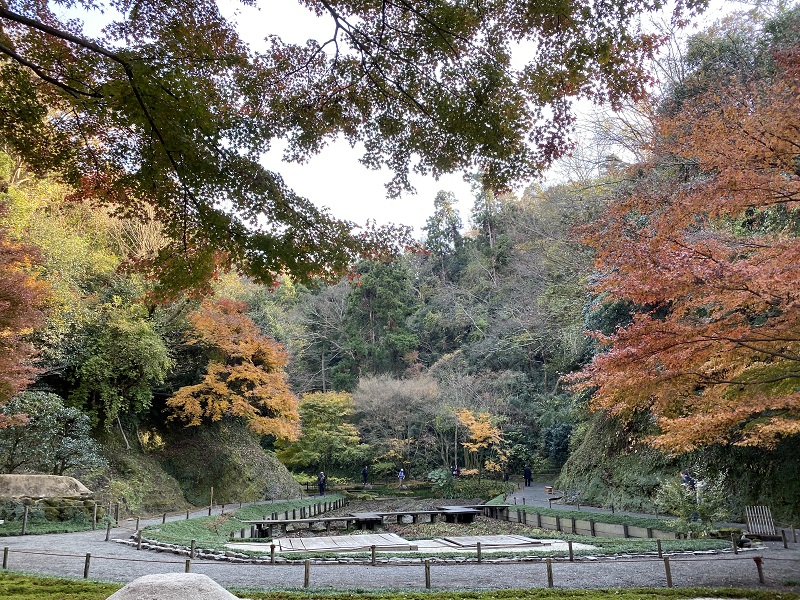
(706, 247)
(167, 111)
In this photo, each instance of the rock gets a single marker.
(42, 486)
(173, 586)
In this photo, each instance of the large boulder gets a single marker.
(42, 486)
(173, 586)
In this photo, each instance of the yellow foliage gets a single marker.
(245, 379)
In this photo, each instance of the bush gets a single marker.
(697, 509)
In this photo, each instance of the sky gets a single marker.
(335, 178)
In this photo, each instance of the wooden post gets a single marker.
(591, 528)
(5, 557)
(539, 520)
(427, 574)
(138, 540)
(668, 571)
(307, 577)
(163, 518)
(94, 516)
(25, 519)
(108, 530)
(211, 500)
(625, 530)
(549, 564)
(571, 554)
(86, 565)
(116, 512)
(733, 544)
(188, 567)
(660, 552)
(558, 523)
(187, 515)
(573, 525)
(479, 552)
(192, 548)
(785, 541)
(757, 560)
(272, 554)
(137, 523)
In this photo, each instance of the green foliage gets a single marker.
(56, 439)
(118, 361)
(327, 437)
(466, 487)
(228, 458)
(697, 509)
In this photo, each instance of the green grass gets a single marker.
(214, 531)
(15, 586)
(35, 527)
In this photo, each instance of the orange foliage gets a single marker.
(243, 379)
(712, 262)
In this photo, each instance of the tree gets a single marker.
(169, 110)
(117, 358)
(54, 439)
(22, 301)
(326, 436)
(706, 248)
(244, 378)
(483, 440)
(443, 235)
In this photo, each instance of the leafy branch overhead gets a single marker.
(168, 109)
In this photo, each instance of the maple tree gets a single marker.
(167, 110)
(22, 300)
(484, 439)
(706, 248)
(244, 378)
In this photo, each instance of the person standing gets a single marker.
(526, 472)
(321, 481)
(401, 477)
(364, 474)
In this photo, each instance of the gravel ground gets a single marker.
(65, 554)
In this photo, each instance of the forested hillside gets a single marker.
(639, 317)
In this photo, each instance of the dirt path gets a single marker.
(64, 554)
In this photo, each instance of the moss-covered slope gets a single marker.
(229, 459)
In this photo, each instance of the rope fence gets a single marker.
(426, 565)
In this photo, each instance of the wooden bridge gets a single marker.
(364, 520)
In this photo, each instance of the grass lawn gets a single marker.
(214, 531)
(15, 586)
